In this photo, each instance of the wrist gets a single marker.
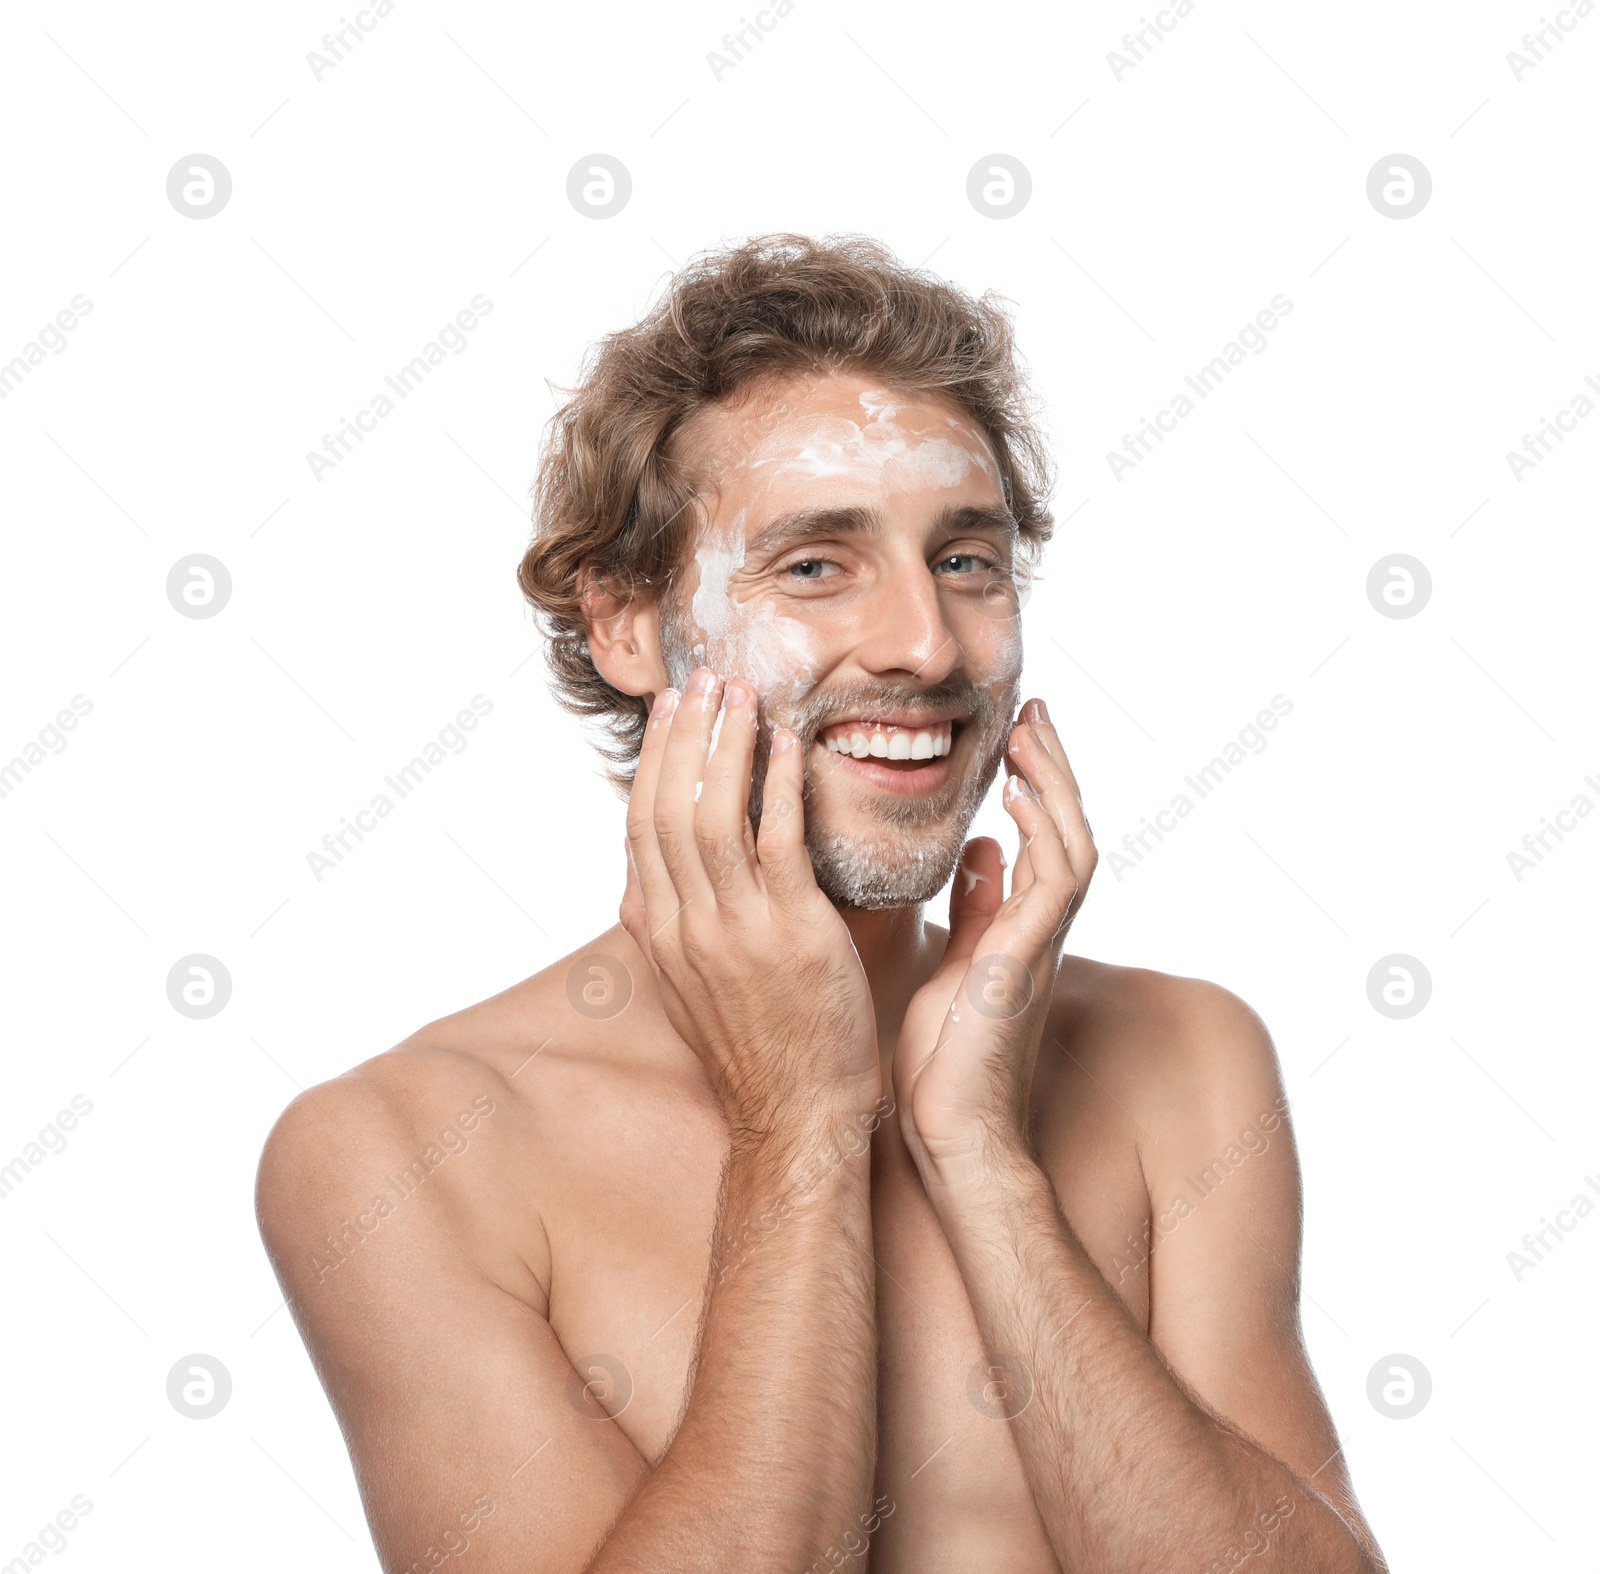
(980, 1176)
(815, 1174)
(804, 1133)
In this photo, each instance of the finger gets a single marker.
(975, 896)
(683, 769)
(631, 910)
(722, 820)
(1036, 713)
(1022, 876)
(1054, 784)
(1055, 891)
(655, 883)
(781, 842)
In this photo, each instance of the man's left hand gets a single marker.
(964, 1063)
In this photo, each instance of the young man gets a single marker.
(780, 1226)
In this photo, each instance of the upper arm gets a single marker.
(1225, 1192)
(465, 1422)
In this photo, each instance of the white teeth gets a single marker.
(897, 743)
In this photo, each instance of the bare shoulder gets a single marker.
(451, 1123)
(1179, 1055)
(404, 1206)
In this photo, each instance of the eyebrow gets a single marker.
(806, 524)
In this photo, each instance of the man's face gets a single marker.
(853, 559)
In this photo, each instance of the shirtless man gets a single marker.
(778, 1227)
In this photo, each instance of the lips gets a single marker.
(903, 755)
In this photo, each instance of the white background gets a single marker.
(369, 606)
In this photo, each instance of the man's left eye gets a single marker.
(812, 563)
(970, 558)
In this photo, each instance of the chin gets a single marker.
(900, 868)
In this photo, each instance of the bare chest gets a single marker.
(630, 1253)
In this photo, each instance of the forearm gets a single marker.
(773, 1459)
(1129, 1472)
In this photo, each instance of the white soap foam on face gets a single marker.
(878, 405)
(776, 653)
(881, 449)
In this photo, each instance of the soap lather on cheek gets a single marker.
(750, 640)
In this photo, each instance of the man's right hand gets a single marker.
(757, 972)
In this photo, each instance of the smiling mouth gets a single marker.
(894, 757)
(894, 742)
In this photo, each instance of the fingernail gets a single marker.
(700, 680)
(666, 703)
(783, 742)
(735, 694)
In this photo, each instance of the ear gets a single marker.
(623, 630)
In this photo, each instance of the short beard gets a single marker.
(915, 845)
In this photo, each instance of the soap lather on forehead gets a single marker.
(900, 453)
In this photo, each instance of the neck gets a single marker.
(894, 945)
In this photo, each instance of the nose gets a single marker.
(905, 630)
